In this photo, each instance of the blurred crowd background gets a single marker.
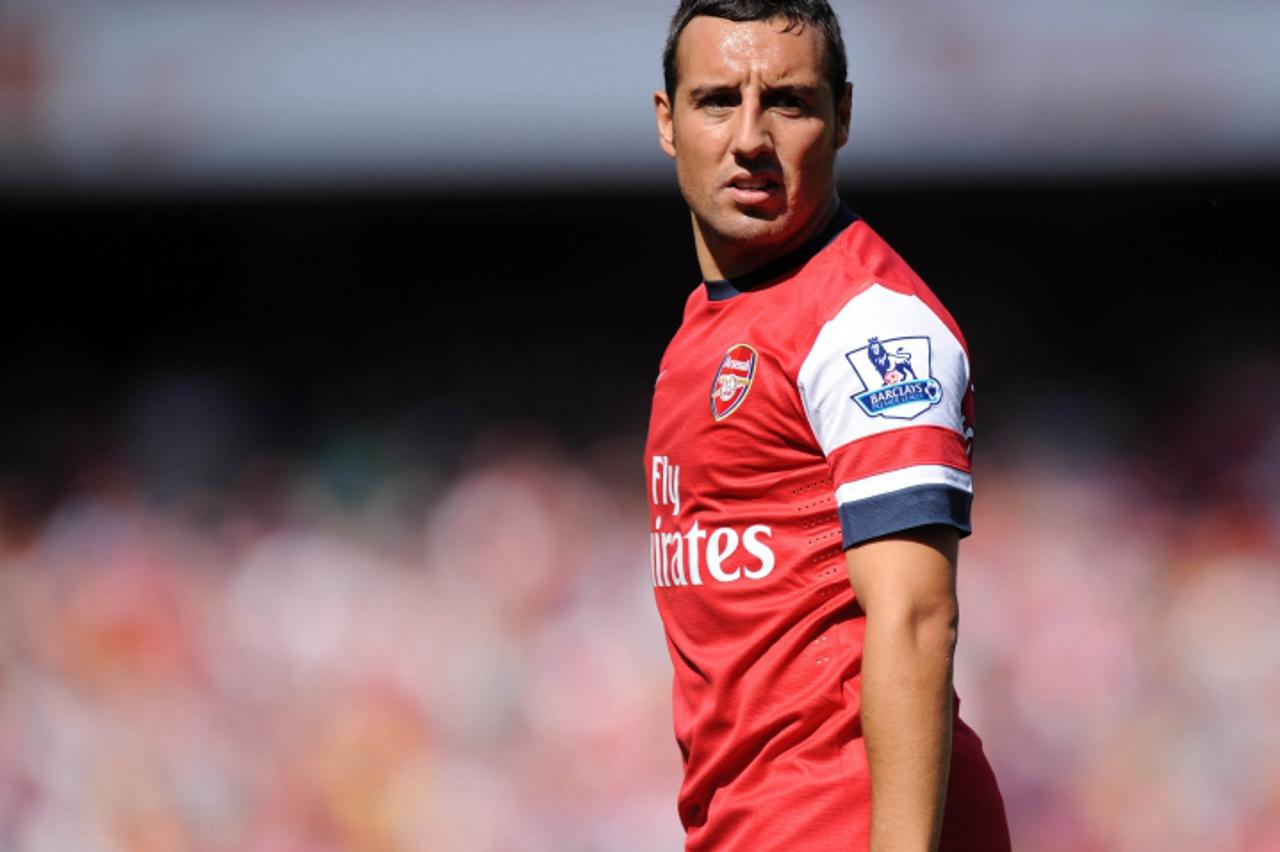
(326, 366)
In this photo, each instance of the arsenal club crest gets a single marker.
(733, 380)
(896, 377)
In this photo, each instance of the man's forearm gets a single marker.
(906, 720)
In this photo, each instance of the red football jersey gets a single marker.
(821, 402)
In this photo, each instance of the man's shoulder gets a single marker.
(861, 258)
(862, 268)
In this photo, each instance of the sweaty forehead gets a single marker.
(723, 52)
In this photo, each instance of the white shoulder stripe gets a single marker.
(897, 480)
(831, 387)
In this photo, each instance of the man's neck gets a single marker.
(721, 260)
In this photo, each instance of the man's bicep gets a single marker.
(911, 570)
(886, 388)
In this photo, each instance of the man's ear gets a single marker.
(844, 110)
(666, 123)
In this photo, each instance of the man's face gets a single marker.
(754, 130)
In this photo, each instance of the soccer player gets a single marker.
(808, 466)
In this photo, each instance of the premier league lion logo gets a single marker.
(892, 368)
(892, 387)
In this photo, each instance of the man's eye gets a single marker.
(790, 104)
(717, 102)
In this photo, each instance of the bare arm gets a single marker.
(906, 585)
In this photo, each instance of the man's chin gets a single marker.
(756, 226)
(767, 212)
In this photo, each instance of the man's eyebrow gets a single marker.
(807, 90)
(700, 92)
(803, 89)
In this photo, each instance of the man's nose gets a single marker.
(751, 137)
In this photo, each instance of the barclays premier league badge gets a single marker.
(896, 376)
(733, 380)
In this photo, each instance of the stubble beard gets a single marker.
(726, 227)
(735, 236)
(739, 230)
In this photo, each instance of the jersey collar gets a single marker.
(721, 289)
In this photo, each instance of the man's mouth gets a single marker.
(754, 184)
(753, 190)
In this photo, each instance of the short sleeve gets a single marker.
(887, 391)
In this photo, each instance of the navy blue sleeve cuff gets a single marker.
(918, 506)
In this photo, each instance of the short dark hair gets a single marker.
(798, 14)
